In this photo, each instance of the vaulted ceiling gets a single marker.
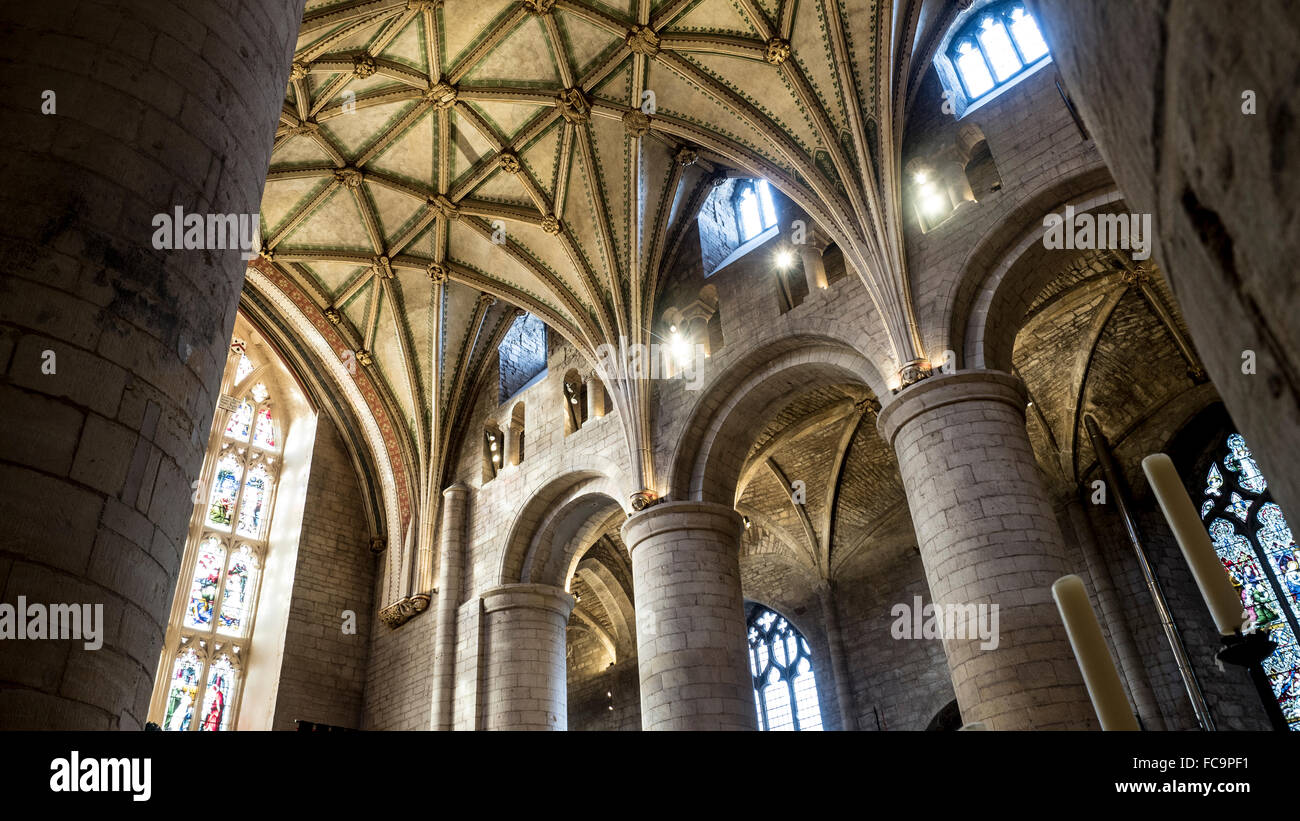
(819, 483)
(546, 154)
(1104, 338)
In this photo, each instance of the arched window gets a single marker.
(575, 402)
(992, 47)
(517, 434)
(212, 622)
(755, 212)
(785, 690)
(1255, 544)
(494, 445)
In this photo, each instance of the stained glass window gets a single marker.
(1240, 462)
(239, 589)
(221, 505)
(264, 433)
(244, 368)
(996, 45)
(780, 660)
(251, 505)
(197, 688)
(203, 589)
(183, 692)
(1213, 482)
(217, 697)
(1256, 546)
(1239, 507)
(240, 421)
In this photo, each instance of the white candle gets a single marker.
(1216, 588)
(1099, 674)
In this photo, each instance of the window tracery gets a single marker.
(780, 660)
(1257, 548)
(212, 625)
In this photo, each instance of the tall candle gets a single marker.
(1216, 588)
(1099, 674)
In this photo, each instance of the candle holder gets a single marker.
(1249, 650)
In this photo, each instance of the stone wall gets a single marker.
(592, 695)
(323, 674)
(521, 355)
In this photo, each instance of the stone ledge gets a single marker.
(674, 516)
(528, 596)
(949, 389)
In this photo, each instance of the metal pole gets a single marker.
(1115, 480)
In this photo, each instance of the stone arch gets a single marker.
(1010, 240)
(707, 462)
(574, 393)
(601, 580)
(790, 603)
(515, 437)
(544, 540)
(493, 449)
(309, 345)
(581, 625)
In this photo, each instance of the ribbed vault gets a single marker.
(434, 156)
(818, 482)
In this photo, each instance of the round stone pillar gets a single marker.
(525, 685)
(988, 537)
(118, 117)
(690, 618)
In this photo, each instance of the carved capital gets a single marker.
(778, 51)
(485, 301)
(643, 499)
(378, 544)
(399, 613)
(686, 157)
(913, 372)
(643, 40)
(636, 122)
(363, 66)
(574, 106)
